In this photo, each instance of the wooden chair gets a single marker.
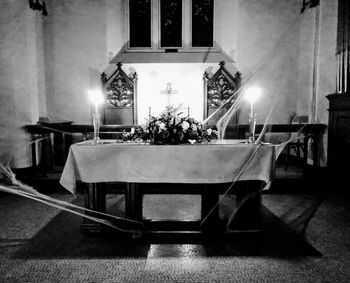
(299, 146)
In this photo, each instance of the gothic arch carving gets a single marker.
(218, 89)
(121, 97)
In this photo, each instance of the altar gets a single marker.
(199, 165)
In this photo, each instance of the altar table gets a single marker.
(213, 163)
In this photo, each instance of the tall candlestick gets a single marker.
(252, 123)
(252, 94)
(96, 123)
(96, 98)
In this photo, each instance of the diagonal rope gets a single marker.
(233, 182)
(24, 190)
(224, 120)
(99, 220)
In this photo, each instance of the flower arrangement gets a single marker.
(171, 128)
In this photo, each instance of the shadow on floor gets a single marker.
(62, 238)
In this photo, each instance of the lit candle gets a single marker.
(96, 98)
(252, 94)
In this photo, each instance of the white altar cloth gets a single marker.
(217, 162)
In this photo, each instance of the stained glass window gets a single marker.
(202, 23)
(140, 23)
(171, 23)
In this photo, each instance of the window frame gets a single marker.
(156, 34)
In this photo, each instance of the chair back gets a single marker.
(300, 119)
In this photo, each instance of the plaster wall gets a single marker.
(303, 89)
(76, 52)
(327, 59)
(266, 55)
(22, 85)
(325, 65)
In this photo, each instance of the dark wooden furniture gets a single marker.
(299, 146)
(247, 218)
(217, 90)
(121, 98)
(55, 138)
(339, 137)
(313, 131)
(52, 144)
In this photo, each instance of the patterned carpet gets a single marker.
(305, 238)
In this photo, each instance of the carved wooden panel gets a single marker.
(218, 89)
(120, 89)
(120, 92)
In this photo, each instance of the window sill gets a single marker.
(132, 56)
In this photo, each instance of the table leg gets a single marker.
(305, 153)
(33, 147)
(210, 209)
(247, 216)
(316, 149)
(133, 202)
(95, 199)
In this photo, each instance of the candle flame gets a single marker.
(96, 96)
(252, 94)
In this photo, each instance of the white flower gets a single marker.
(162, 126)
(144, 127)
(185, 125)
(132, 131)
(209, 131)
(192, 141)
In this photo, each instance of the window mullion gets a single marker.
(155, 17)
(217, 25)
(187, 24)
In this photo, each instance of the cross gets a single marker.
(168, 92)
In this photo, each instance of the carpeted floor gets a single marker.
(305, 238)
